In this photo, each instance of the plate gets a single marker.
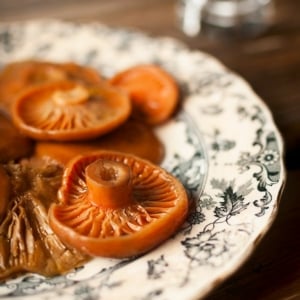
(223, 145)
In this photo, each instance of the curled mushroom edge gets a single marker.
(117, 205)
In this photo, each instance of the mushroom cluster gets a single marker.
(79, 165)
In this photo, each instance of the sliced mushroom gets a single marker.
(117, 205)
(18, 76)
(27, 243)
(68, 111)
(13, 145)
(132, 137)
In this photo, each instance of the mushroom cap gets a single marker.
(156, 207)
(13, 145)
(79, 73)
(154, 92)
(132, 137)
(18, 76)
(67, 111)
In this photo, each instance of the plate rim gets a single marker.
(266, 110)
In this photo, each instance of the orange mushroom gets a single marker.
(153, 92)
(66, 111)
(17, 76)
(79, 73)
(132, 137)
(13, 145)
(117, 205)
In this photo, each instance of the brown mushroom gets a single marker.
(132, 137)
(13, 145)
(117, 205)
(66, 111)
(4, 192)
(17, 76)
(27, 243)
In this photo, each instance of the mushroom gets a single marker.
(13, 145)
(4, 191)
(117, 205)
(27, 243)
(132, 137)
(79, 73)
(67, 111)
(18, 76)
(154, 92)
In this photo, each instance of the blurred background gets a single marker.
(270, 62)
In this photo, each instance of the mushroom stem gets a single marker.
(109, 184)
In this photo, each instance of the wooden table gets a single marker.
(271, 64)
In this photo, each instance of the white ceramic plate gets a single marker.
(223, 145)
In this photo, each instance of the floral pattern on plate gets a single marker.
(223, 145)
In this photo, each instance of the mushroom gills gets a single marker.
(117, 205)
(27, 242)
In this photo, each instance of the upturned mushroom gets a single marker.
(68, 111)
(117, 205)
(18, 76)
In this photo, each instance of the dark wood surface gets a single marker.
(271, 64)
